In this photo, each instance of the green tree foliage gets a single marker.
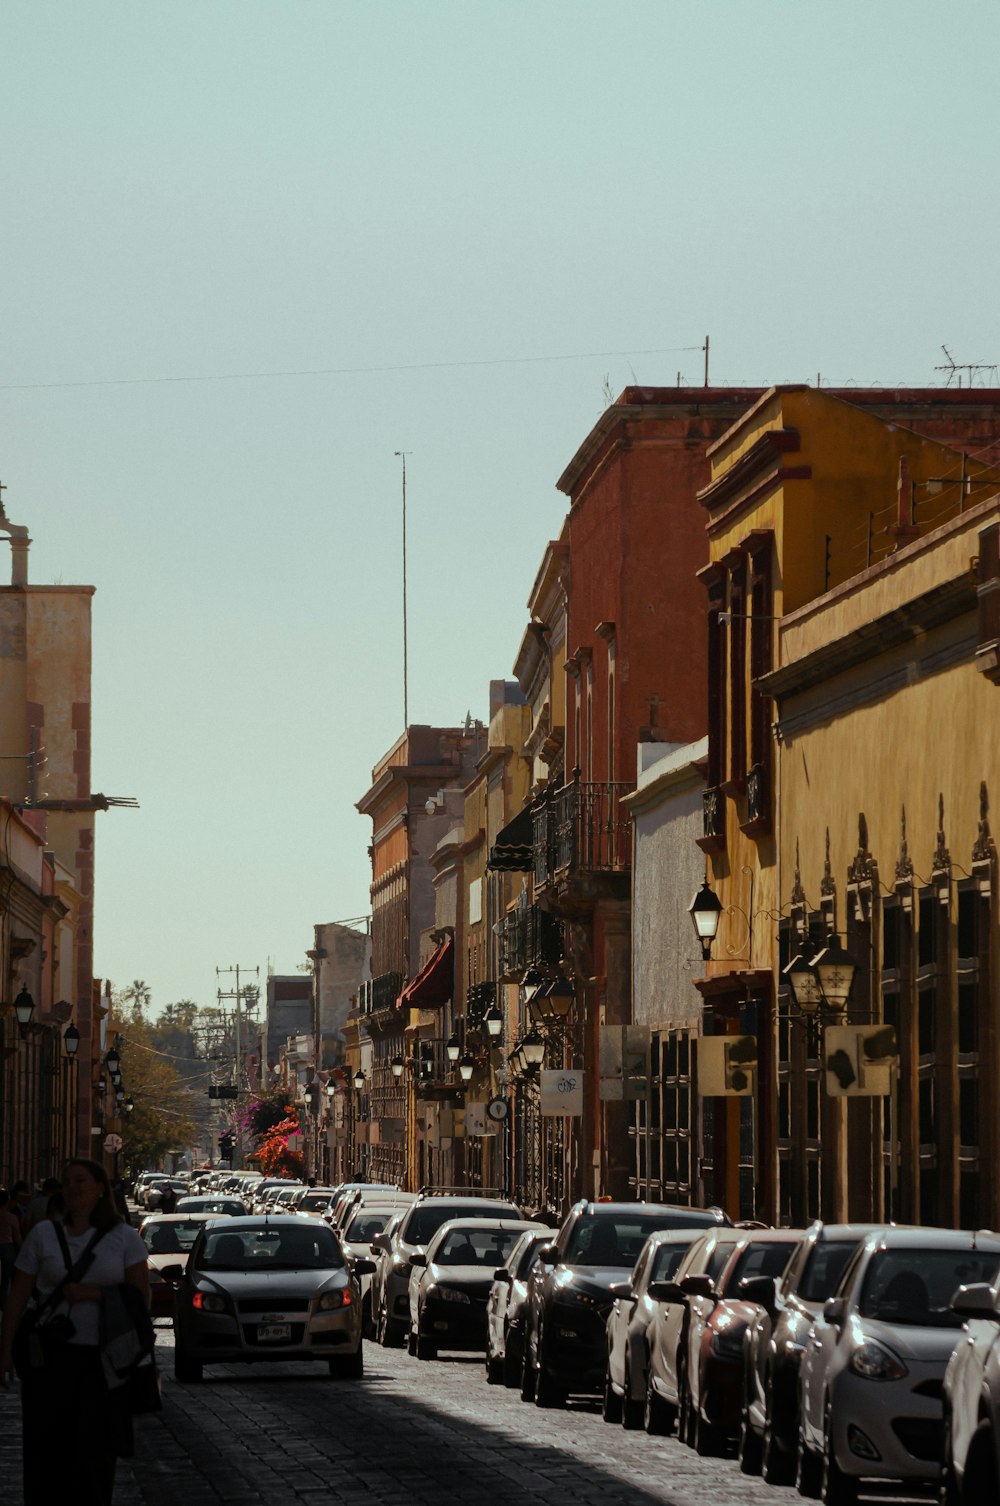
(165, 1111)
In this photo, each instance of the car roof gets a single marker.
(673, 1236)
(183, 1218)
(929, 1238)
(520, 1224)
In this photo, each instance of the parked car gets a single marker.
(570, 1293)
(155, 1191)
(313, 1200)
(627, 1367)
(719, 1314)
(232, 1207)
(450, 1283)
(666, 1381)
(356, 1242)
(775, 1342)
(970, 1467)
(416, 1229)
(169, 1238)
(259, 1289)
(505, 1309)
(871, 1379)
(380, 1249)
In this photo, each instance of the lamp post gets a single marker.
(705, 911)
(24, 1008)
(71, 1041)
(821, 986)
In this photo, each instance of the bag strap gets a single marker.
(73, 1272)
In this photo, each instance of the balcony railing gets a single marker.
(583, 828)
(758, 819)
(713, 820)
(381, 993)
(481, 999)
(433, 1069)
(528, 937)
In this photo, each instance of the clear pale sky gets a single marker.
(427, 199)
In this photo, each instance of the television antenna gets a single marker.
(955, 368)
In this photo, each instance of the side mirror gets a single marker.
(665, 1291)
(760, 1289)
(502, 1274)
(975, 1302)
(834, 1311)
(697, 1286)
(418, 1258)
(381, 1243)
(362, 1267)
(172, 1273)
(622, 1289)
(548, 1254)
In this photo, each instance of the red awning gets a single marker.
(435, 982)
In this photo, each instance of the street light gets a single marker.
(533, 1048)
(494, 1023)
(552, 1002)
(24, 1007)
(705, 911)
(112, 1061)
(71, 1040)
(100, 1087)
(330, 1090)
(825, 981)
(128, 1106)
(467, 1067)
(359, 1079)
(398, 1067)
(453, 1048)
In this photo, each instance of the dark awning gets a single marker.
(435, 982)
(514, 849)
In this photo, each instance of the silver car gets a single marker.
(634, 1309)
(871, 1378)
(970, 1471)
(264, 1289)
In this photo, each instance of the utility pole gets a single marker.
(706, 360)
(238, 995)
(402, 454)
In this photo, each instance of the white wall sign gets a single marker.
(476, 1122)
(561, 1093)
(475, 902)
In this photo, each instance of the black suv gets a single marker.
(420, 1223)
(570, 1294)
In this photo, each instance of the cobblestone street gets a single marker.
(409, 1432)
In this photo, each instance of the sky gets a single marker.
(251, 250)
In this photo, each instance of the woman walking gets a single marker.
(66, 1396)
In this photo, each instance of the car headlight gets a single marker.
(331, 1300)
(875, 1362)
(596, 1302)
(207, 1302)
(451, 1294)
(400, 1267)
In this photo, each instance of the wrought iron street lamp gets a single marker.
(330, 1090)
(552, 1002)
(112, 1061)
(398, 1067)
(24, 1007)
(705, 911)
(453, 1048)
(533, 1047)
(493, 1021)
(71, 1040)
(359, 1079)
(467, 1067)
(128, 1106)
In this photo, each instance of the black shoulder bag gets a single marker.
(42, 1333)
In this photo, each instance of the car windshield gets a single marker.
(614, 1239)
(315, 1202)
(229, 1205)
(824, 1269)
(760, 1259)
(488, 1247)
(915, 1287)
(668, 1258)
(171, 1239)
(365, 1226)
(425, 1221)
(262, 1247)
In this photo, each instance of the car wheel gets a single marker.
(836, 1489)
(707, 1440)
(611, 1402)
(367, 1317)
(528, 1376)
(658, 1416)
(494, 1371)
(749, 1451)
(426, 1348)
(776, 1465)
(390, 1333)
(186, 1369)
(511, 1365)
(632, 1410)
(808, 1473)
(685, 1421)
(981, 1482)
(548, 1393)
(348, 1366)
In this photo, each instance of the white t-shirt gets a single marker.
(41, 1257)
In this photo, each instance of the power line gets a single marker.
(256, 376)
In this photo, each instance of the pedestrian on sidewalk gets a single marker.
(74, 1428)
(10, 1242)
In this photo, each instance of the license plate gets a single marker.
(273, 1332)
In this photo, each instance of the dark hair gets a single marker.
(105, 1214)
(4, 1197)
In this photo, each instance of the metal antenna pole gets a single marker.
(402, 454)
(706, 360)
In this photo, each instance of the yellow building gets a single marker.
(810, 491)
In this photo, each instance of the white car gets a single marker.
(632, 1312)
(970, 1472)
(871, 1378)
